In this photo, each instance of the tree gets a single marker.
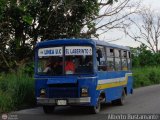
(24, 22)
(146, 31)
(111, 16)
(141, 56)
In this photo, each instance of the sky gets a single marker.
(123, 39)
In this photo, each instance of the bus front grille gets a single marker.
(63, 92)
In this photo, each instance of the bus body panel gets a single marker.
(80, 82)
(113, 83)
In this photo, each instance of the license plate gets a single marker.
(61, 102)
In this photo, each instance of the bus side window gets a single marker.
(101, 58)
(129, 60)
(124, 60)
(110, 59)
(117, 60)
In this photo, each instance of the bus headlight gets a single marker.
(42, 93)
(84, 92)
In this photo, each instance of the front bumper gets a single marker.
(70, 101)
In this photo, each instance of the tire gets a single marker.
(48, 109)
(96, 109)
(121, 101)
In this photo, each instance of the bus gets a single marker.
(98, 72)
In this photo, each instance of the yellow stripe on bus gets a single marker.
(113, 84)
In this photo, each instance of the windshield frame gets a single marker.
(63, 61)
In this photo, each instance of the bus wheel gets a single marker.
(96, 109)
(121, 100)
(48, 109)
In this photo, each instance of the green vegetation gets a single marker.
(144, 76)
(16, 91)
(142, 57)
(25, 22)
(146, 66)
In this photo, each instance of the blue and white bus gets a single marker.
(102, 73)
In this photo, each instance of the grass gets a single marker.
(16, 91)
(145, 76)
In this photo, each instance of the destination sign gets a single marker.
(55, 51)
(78, 50)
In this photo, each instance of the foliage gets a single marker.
(23, 22)
(141, 56)
(146, 66)
(146, 76)
(15, 89)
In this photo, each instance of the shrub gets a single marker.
(16, 91)
(5, 102)
(146, 76)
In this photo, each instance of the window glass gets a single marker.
(129, 64)
(50, 65)
(117, 53)
(117, 64)
(101, 55)
(129, 60)
(128, 55)
(77, 60)
(110, 64)
(124, 54)
(110, 59)
(101, 58)
(78, 64)
(110, 52)
(50, 61)
(124, 64)
(117, 59)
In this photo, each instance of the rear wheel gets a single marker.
(48, 109)
(121, 101)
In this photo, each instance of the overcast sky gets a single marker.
(126, 41)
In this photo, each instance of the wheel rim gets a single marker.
(97, 107)
(123, 98)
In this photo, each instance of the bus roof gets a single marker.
(104, 43)
(80, 42)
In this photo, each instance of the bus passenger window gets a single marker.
(110, 59)
(117, 60)
(129, 60)
(101, 58)
(124, 60)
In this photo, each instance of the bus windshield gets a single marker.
(56, 61)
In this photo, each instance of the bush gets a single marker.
(16, 91)
(146, 76)
(5, 102)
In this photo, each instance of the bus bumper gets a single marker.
(69, 101)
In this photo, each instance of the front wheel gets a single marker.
(96, 109)
(48, 109)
